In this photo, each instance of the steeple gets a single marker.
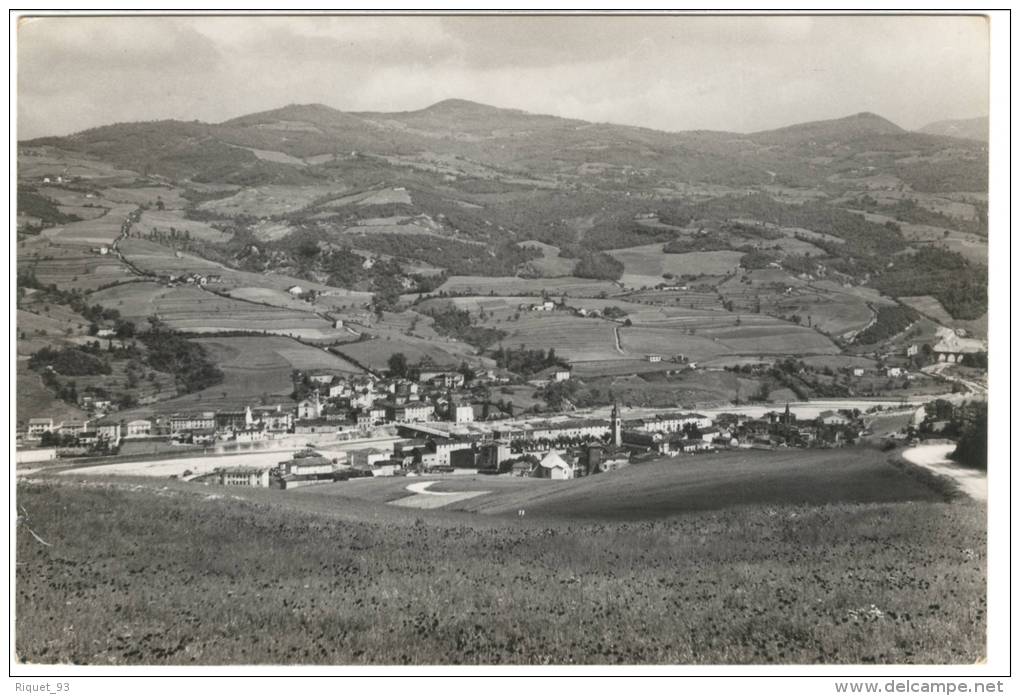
(617, 434)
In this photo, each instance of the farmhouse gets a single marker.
(295, 290)
(653, 358)
(894, 372)
(858, 372)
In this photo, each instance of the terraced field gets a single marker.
(574, 338)
(574, 287)
(100, 231)
(190, 309)
(71, 267)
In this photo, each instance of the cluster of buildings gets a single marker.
(335, 405)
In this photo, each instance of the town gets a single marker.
(434, 425)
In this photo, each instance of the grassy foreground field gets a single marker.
(162, 572)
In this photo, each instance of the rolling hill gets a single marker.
(969, 128)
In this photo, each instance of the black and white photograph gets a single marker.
(516, 340)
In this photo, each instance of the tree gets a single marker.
(397, 365)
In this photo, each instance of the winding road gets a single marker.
(935, 458)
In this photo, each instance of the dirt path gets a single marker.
(425, 499)
(619, 343)
(936, 458)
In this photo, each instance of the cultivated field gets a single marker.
(190, 309)
(99, 231)
(163, 220)
(794, 559)
(375, 353)
(267, 201)
(573, 287)
(71, 267)
(645, 265)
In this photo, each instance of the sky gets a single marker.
(665, 72)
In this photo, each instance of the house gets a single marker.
(462, 413)
(138, 428)
(305, 464)
(110, 433)
(339, 389)
(367, 457)
(249, 476)
(444, 449)
(310, 408)
(410, 412)
(553, 466)
(894, 372)
(912, 350)
(38, 426)
(321, 378)
(546, 306)
(833, 418)
(296, 290)
(653, 358)
(73, 427)
(106, 333)
(319, 426)
(858, 372)
(338, 323)
(522, 468)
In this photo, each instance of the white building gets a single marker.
(138, 428)
(463, 413)
(249, 476)
(554, 467)
(38, 426)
